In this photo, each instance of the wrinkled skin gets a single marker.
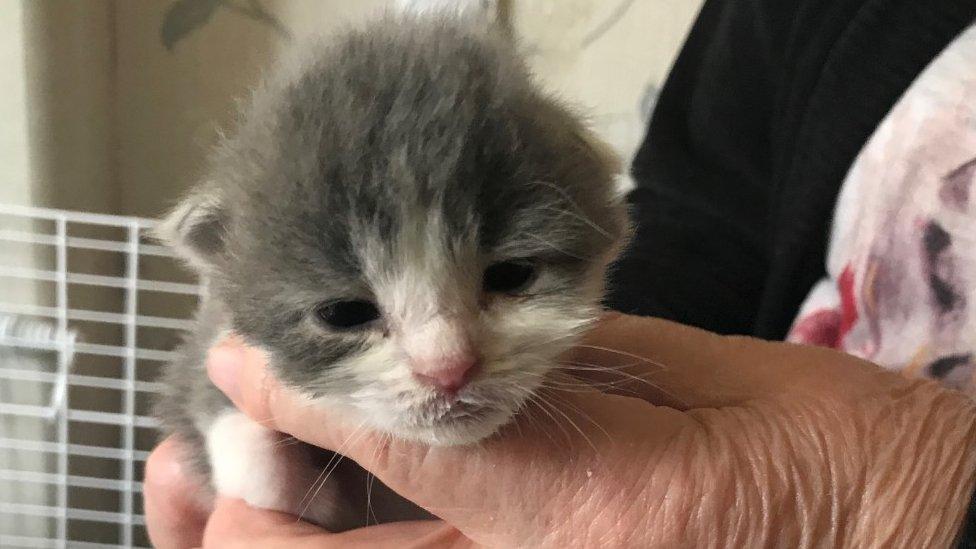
(763, 444)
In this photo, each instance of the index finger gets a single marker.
(176, 512)
(235, 524)
(492, 493)
(685, 367)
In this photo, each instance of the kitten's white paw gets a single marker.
(250, 462)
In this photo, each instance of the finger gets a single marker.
(677, 365)
(234, 524)
(473, 490)
(400, 535)
(175, 510)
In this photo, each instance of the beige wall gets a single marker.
(15, 188)
(604, 55)
(169, 104)
(69, 51)
(14, 162)
(119, 124)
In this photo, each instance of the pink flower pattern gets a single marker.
(902, 259)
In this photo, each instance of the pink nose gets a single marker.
(447, 375)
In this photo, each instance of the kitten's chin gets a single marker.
(461, 429)
(458, 432)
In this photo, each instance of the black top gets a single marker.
(762, 116)
(756, 128)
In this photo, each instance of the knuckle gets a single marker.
(163, 470)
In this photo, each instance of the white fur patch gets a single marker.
(249, 462)
(436, 340)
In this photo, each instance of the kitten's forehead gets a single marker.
(423, 271)
(395, 167)
(393, 151)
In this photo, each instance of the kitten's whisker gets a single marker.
(535, 399)
(643, 359)
(529, 400)
(328, 474)
(621, 368)
(582, 413)
(470, 510)
(538, 425)
(312, 488)
(589, 389)
(584, 386)
(628, 377)
(320, 483)
(285, 441)
(525, 349)
(553, 246)
(582, 218)
(518, 427)
(558, 378)
(604, 366)
(371, 478)
(579, 384)
(335, 456)
(573, 384)
(569, 420)
(562, 192)
(327, 471)
(615, 371)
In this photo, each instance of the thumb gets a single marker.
(506, 482)
(684, 367)
(234, 524)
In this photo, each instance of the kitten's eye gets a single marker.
(508, 276)
(345, 315)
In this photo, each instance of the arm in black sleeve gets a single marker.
(766, 108)
(764, 111)
(701, 203)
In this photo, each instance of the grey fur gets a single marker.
(381, 130)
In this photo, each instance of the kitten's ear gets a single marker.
(599, 150)
(196, 229)
(616, 220)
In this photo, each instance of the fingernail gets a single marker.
(224, 363)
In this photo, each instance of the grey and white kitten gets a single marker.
(411, 230)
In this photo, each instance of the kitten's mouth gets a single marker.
(464, 411)
(445, 422)
(473, 414)
(443, 410)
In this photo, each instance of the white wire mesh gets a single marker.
(89, 311)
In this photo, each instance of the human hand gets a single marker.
(774, 445)
(179, 517)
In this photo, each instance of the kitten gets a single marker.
(413, 232)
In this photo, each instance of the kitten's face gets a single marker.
(426, 303)
(418, 252)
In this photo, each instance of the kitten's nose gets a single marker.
(447, 375)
